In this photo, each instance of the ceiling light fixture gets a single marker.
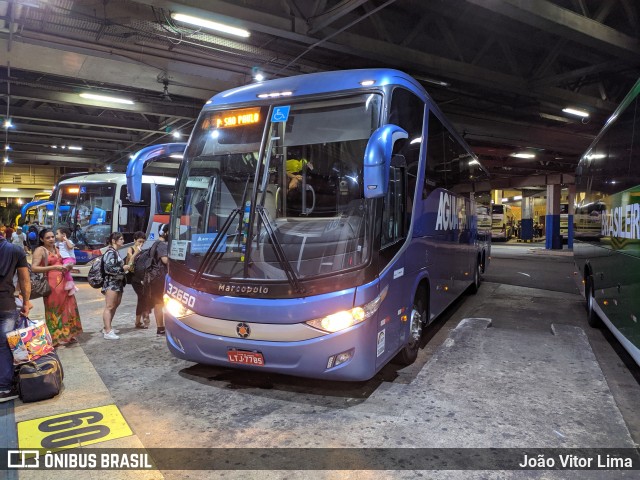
(176, 134)
(523, 155)
(74, 148)
(219, 27)
(106, 98)
(518, 197)
(576, 112)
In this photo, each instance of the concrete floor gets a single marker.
(534, 376)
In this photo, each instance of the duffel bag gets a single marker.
(40, 379)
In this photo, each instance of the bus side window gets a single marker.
(407, 111)
(435, 172)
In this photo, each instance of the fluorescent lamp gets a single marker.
(74, 148)
(201, 22)
(523, 155)
(505, 200)
(518, 197)
(176, 134)
(258, 77)
(106, 98)
(575, 111)
(7, 123)
(474, 162)
(9, 189)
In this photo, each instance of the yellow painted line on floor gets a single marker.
(73, 429)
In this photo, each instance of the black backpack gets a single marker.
(146, 267)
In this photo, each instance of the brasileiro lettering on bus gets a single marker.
(448, 213)
(622, 222)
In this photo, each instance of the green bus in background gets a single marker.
(608, 177)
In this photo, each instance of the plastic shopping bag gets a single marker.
(29, 341)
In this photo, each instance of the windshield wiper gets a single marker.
(277, 247)
(212, 256)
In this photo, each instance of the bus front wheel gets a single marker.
(592, 317)
(409, 353)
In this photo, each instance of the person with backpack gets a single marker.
(12, 260)
(136, 279)
(155, 276)
(114, 270)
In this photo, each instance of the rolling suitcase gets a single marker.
(40, 379)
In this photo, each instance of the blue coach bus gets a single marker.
(320, 222)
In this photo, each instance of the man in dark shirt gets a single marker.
(12, 260)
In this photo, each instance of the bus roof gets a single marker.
(315, 83)
(115, 178)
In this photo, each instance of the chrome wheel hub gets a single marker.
(416, 325)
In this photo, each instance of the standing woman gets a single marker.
(114, 282)
(154, 291)
(142, 309)
(60, 310)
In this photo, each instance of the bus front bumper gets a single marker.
(314, 358)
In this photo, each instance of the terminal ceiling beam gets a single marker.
(327, 18)
(566, 24)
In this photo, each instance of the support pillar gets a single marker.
(526, 223)
(571, 199)
(553, 239)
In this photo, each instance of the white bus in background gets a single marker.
(44, 214)
(94, 205)
(502, 222)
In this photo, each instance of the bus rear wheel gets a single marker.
(475, 286)
(418, 319)
(592, 317)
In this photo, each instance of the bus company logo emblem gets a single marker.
(243, 330)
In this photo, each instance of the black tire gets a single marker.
(592, 317)
(418, 319)
(475, 286)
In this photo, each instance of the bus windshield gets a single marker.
(87, 210)
(279, 199)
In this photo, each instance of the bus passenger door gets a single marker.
(396, 307)
(132, 217)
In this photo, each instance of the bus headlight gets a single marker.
(348, 318)
(175, 308)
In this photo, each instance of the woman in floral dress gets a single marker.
(60, 310)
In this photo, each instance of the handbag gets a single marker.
(40, 379)
(39, 283)
(29, 341)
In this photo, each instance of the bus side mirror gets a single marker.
(123, 216)
(377, 159)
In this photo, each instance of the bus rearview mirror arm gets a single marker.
(140, 159)
(377, 159)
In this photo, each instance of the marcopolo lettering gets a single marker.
(243, 289)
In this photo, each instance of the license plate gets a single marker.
(245, 358)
